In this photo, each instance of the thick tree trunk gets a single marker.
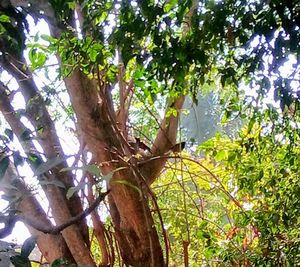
(136, 233)
(133, 222)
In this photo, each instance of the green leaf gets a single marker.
(4, 163)
(4, 139)
(4, 18)
(71, 5)
(93, 169)
(48, 38)
(74, 189)
(124, 182)
(250, 124)
(169, 5)
(94, 51)
(108, 176)
(9, 134)
(20, 261)
(18, 159)
(26, 135)
(71, 191)
(93, 55)
(28, 246)
(48, 165)
(112, 73)
(221, 155)
(34, 160)
(37, 58)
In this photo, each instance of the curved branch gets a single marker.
(9, 220)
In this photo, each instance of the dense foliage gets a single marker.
(109, 70)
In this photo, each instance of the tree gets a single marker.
(113, 55)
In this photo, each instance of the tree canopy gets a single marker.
(91, 98)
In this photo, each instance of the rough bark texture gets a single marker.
(132, 219)
(52, 246)
(99, 228)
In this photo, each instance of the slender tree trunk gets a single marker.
(62, 209)
(99, 229)
(51, 246)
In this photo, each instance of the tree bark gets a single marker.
(52, 247)
(99, 229)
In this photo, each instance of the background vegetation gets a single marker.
(93, 106)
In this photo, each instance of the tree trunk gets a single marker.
(133, 222)
(51, 246)
(62, 209)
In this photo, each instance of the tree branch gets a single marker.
(164, 142)
(121, 118)
(40, 118)
(166, 137)
(10, 220)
